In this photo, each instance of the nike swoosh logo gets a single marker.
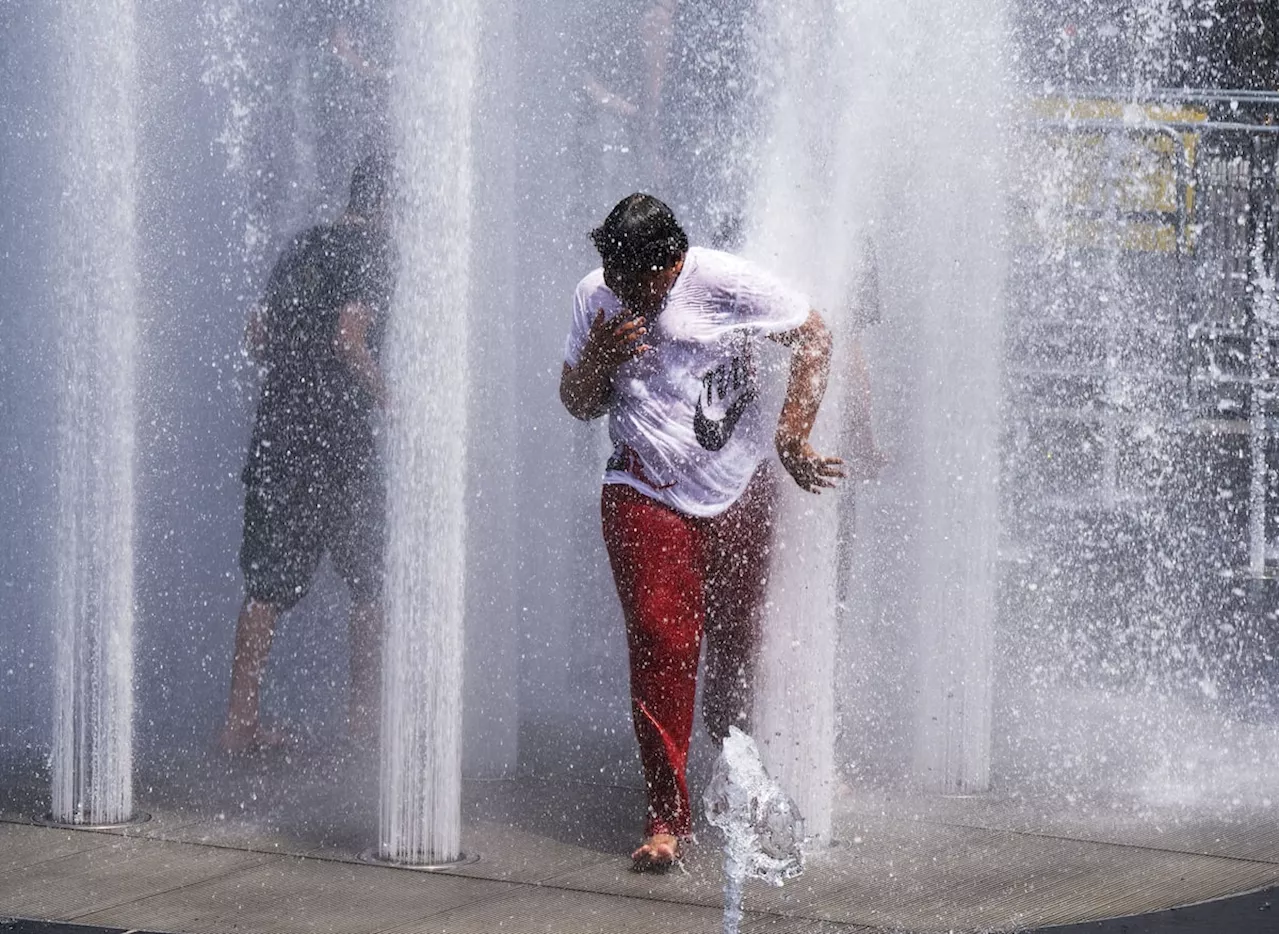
(714, 434)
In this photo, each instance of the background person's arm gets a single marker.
(256, 335)
(351, 344)
(656, 31)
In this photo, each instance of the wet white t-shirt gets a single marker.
(685, 417)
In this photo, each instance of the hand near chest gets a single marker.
(613, 341)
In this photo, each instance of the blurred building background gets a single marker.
(1141, 341)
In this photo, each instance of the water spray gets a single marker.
(762, 827)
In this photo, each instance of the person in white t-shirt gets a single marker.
(666, 342)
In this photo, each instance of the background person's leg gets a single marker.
(736, 551)
(278, 556)
(357, 544)
(655, 556)
(254, 629)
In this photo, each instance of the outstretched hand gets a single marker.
(811, 471)
(612, 343)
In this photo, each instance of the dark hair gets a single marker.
(370, 184)
(640, 233)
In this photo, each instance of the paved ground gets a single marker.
(275, 847)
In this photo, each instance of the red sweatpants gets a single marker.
(680, 577)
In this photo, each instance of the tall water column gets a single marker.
(794, 231)
(886, 131)
(96, 297)
(955, 215)
(426, 359)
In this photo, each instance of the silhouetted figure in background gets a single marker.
(666, 342)
(667, 93)
(314, 480)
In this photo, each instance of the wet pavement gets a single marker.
(275, 846)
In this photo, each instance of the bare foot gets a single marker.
(659, 851)
(246, 741)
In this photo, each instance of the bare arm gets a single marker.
(810, 363)
(584, 391)
(656, 30)
(256, 335)
(351, 344)
(341, 45)
(655, 33)
(606, 97)
(585, 388)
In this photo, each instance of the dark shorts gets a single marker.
(289, 526)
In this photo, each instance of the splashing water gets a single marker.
(762, 827)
